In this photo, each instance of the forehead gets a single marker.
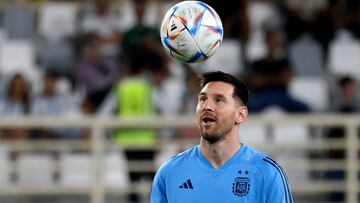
(219, 88)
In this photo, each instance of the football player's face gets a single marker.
(216, 111)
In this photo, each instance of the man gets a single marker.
(221, 168)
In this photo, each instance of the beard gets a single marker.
(215, 135)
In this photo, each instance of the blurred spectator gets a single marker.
(15, 103)
(140, 36)
(234, 17)
(167, 93)
(294, 24)
(189, 102)
(49, 103)
(347, 100)
(327, 21)
(353, 24)
(269, 78)
(101, 20)
(135, 101)
(144, 52)
(96, 72)
(86, 108)
(16, 100)
(167, 86)
(192, 90)
(133, 97)
(141, 41)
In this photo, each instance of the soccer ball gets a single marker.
(191, 31)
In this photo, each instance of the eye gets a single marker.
(219, 99)
(202, 98)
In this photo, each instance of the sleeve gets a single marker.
(108, 106)
(277, 185)
(158, 190)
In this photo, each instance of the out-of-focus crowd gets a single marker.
(104, 57)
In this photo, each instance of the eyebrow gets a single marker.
(215, 95)
(220, 96)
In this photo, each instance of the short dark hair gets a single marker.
(345, 80)
(241, 91)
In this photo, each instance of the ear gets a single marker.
(241, 114)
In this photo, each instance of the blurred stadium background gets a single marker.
(91, 106)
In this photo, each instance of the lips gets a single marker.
(208, 119)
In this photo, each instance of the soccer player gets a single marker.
(221, 168)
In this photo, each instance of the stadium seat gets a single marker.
(3, 36)
(56, 56)
(127, 16)
(290, 134)
(171, 90)
(166, 152)
(75, 170)
(304, 89)
(253, 134)
(35, 169)
(18, 56)
(306, 57)
(344, 52)
(151, 13)
(229, 54)
(259, 13)
(256, 48)
(19, 21)
(116, 170)
(57, 20)
(4, 168)
(293, 134)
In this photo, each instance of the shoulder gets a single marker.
(274, 180)
(266, 165)
(166, 175)
(269, 167)
(177, 160)
(276, 183)
(273, 174)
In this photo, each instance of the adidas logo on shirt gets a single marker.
(187, 185)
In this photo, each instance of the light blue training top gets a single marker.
(249, 176)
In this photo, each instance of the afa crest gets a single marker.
(241, 186)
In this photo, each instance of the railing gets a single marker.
(98, 144)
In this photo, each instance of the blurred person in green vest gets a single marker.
(131, 97)
(134, 96)
(134, 99)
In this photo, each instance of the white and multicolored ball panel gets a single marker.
(191, 31)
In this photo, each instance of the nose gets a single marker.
(208, 105)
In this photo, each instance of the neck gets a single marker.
(220, 152)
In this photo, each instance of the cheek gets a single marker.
(198, 107)
(229, 115)
(198, 110)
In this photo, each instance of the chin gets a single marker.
(211, 138)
